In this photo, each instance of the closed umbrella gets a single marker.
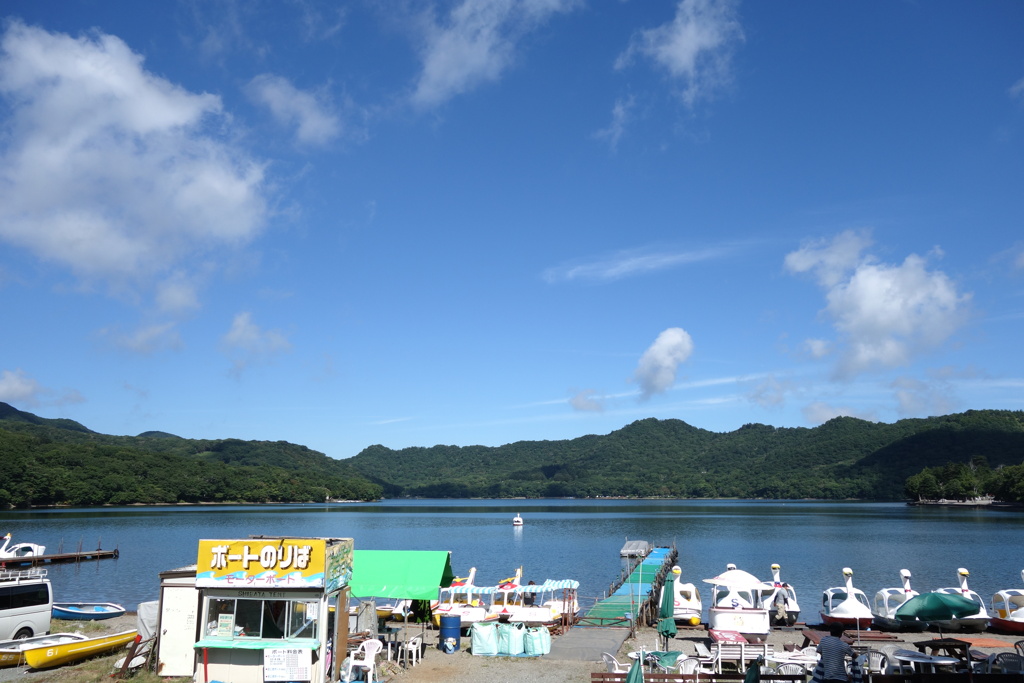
(667, 622)
(636, 671)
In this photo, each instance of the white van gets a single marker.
(25, 603)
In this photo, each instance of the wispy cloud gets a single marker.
(18, 387)
(475, 44)
(617, 128)
(246, 343)
(308, 113)
(695, 48)
(629, 263)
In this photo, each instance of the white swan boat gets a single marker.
(736, 604)
(687, 606)
(972, 624)
(1008, 610)
(846, 605)
(780, 599)
(543, 604)
(517, 520)
(20, 549)
(888, 600)
(462, 598)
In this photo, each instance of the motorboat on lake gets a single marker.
(888, 600)
(971, 624)
(780, 599)
(687, 606)
(736, 604)
(8, 551)
(846, 605)
(461, 598)
(1008, 610)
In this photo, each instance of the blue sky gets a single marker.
(485, 221)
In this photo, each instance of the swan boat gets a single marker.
(780, 599)
(86, 611)
(736, 604)
(48, 656)
(8, 551)
(460, 599)
(846, 605)
(972, 624)
(517, 520)
(11, 650)
(1008, 610)
(888, 600)
(687, 606)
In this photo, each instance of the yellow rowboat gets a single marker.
(47, 656)
(11, 650)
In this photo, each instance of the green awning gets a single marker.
(401, 574)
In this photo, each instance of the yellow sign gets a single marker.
(262, 562)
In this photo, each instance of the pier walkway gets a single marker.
(610, 621)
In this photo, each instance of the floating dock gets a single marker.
(77, 556)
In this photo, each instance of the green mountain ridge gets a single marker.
(58, 462)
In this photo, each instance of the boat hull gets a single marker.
(86, 611)
(752, 623)
(852, 622)
(898, 625)
(49, 656)
(966, 625)
(12, 651)
(1007, 625)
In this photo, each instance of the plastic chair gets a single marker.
(409, 651)
(877, 662)
(365, 657)
(1008, 663)
(1019, 647)
(613, 664)
(810, 651)
(791, 669)
(895, 667)
(687, 665)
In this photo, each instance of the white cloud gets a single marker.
(695, 47)
(916, 398)
(476, 44)
(147, 339)
(884, 314)
(617, 127)
(1017, 90)
(819, 412)
(656, 371)
(818, 348)
(108, 169)
(770, 392)
(628, 263)
(18, 387)
(587, 400)
(312, 119)
(247, 343)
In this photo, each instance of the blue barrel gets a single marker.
(451, 626)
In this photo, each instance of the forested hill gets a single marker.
(843, 458)
(60, 462)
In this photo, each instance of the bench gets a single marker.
(605, 677)
(740, 653)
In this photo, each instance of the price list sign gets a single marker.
(287, 664)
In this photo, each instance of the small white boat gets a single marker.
(534, 604)
(846, 605)
(1008, 610)
(20, 549)
(736, 604)
(517, 520)
(780, 599)
(888, 600)
(687, 606)
(11, 650)
(972, 624)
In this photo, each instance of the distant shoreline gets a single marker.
(985, 503)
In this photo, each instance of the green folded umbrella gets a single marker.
(636, 672)
(668, 595)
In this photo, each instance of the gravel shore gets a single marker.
(464, 667)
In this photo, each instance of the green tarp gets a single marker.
(400, 574)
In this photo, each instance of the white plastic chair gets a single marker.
(877, 662)
(687, 665)
(365, 657)
(613, 664)
(791, 669)
(409, 651)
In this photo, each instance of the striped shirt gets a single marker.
(834, 652)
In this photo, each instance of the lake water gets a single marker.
(561, 539)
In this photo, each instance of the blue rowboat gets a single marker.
(86, 610)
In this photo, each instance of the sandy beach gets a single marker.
(464, 667)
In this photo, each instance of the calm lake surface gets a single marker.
(561, 539)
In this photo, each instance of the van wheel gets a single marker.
(23, 634)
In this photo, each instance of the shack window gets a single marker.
(265, 619)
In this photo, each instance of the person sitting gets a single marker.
(529, 596)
